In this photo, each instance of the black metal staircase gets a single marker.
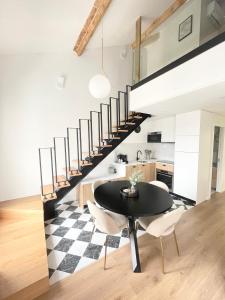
(84, 147)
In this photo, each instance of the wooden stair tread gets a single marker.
(92, 155)
(61, 182)
(74, 172)
(83, 163)
(112, 138)
(104, 146)
(120, 130)
(49, 193)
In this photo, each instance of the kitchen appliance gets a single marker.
(122, 158)
(165, 177)
(154, 137)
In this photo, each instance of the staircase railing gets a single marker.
(85, 146)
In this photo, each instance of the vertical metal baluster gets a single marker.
(89, 144)
(110, 114)
(119, 108)
(78, 149)
(91, 130)
(65, 152)
(42, 188)
(101, 123)
(108, 120)
(53, 186)
(56, 172)
(117, 115)
(68, 148)
(99, 132)
(81, 156)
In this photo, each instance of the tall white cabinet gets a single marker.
(192, 141)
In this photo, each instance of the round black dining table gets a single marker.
(151, 200)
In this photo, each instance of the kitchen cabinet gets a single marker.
(148, 170)
(167, 127)
(186, 174)
(164, 167)
(85, 191)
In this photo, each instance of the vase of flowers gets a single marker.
(134, 179)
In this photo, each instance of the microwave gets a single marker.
(154, 137)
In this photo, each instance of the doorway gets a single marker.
(216, 159)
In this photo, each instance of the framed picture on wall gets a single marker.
(185, 28)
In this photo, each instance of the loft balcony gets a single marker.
(182, 66)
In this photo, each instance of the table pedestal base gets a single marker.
(134, 246)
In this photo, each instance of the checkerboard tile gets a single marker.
(71, 245)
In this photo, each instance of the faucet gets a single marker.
(139, 151)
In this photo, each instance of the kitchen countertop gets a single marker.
(119, 175)
(131, 163)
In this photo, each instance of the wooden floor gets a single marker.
(198, 274)
(23, 259)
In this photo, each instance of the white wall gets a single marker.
(167, 48)
(32, 110)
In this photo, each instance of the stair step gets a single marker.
(128, 123)
(93, 154)
(83, 163)
(120, 130)
(104, 146)
(61, 182)
(112, 138)
(48, 189)
(74, 172)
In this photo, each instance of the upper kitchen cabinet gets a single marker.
(168, 129)
(165, 125)
(188, 123)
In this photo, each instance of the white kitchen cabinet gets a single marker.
(186, 175)
(187, 143)
(188, 123)
(168, 129)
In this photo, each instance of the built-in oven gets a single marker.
(154, 137)
(165, 177)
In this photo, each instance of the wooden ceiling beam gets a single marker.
(96, 14)
(158, 21)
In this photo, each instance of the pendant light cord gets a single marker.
(102, 50)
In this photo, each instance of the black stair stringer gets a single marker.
(49, 206)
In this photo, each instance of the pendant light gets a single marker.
(99, 85)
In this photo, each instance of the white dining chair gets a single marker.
(160, 184)
(96, 184)
(163, 226)
(145, 221)
(106, 222)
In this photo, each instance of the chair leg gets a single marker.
(106, 240)
(162, 255)
(93, 230)
(175, 238)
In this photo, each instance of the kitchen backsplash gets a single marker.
(163, 151)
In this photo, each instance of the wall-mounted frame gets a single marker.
(185, 28)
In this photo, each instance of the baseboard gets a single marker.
(192, 202)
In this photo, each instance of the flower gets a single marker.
(136, 177)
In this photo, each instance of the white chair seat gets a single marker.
(119, 219)
(145, 221)
(160, 184)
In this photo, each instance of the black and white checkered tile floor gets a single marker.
(70, 246)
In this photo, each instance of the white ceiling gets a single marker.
(37, 26)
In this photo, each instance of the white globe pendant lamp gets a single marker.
(99, 85)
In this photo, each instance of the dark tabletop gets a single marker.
(151, 199)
